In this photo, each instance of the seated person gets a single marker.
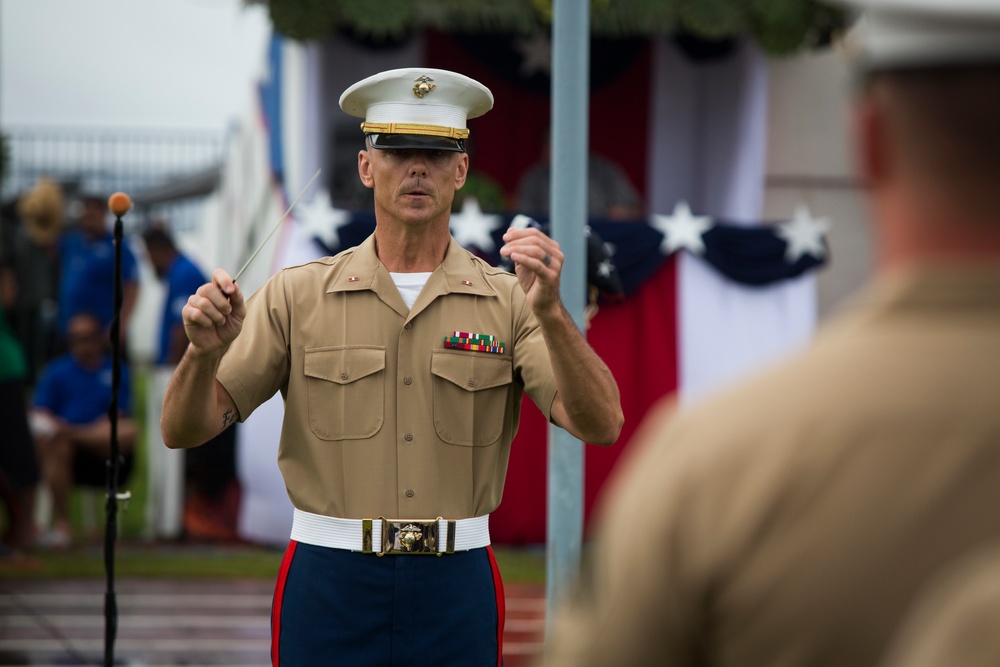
(70, 419)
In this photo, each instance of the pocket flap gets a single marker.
(472, 371)
(344, 364)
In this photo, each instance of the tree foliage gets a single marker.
(779, 27)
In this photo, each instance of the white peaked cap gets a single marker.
(928, 33)
(417, 107)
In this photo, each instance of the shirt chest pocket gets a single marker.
(471, 390)
(346, 391)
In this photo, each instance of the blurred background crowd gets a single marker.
(213, 136)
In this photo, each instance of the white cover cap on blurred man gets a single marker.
(897, 34)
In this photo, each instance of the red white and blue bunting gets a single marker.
(757, 255)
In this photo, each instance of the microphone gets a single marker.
(119, 203)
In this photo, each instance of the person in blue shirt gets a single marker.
(70, 416)
(86, 264)
(183, 278)
(211, 494)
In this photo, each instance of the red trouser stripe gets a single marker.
(279, 594)
(501, 604)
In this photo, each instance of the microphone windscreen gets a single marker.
(119, 203)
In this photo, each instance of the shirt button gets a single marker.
(409, 493)
(472, 382)
(407, 380)
(408, 326)
(408, 437)
(343, 375)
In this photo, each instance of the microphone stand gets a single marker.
(114, 462)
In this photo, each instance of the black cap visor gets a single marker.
(415, 142)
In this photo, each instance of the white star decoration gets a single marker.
(681, 230)
(804, 235)
(321, 220)
(472, 227)
(604, 268)
(536, 54)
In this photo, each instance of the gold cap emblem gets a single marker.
(423, 85)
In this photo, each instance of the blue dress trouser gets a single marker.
(336, 607)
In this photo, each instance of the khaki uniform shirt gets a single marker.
(791, 521)
(380, 418)
(955, 619)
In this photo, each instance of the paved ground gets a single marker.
(189, 622)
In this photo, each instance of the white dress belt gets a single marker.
(394, 536)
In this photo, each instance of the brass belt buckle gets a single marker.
(407, 536)
(410, 536)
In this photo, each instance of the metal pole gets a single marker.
(114, 463)
(568, 206)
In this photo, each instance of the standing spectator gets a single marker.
(18, 467)
(87, 260)
(183, 278)
(35, 263)
(609, 192)
(793, 520)
(72, 428)
(479, 186)
(211, 495)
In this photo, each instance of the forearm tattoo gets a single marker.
(228, 418)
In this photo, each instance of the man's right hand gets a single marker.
(213, 316)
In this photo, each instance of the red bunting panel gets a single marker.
(645, 373)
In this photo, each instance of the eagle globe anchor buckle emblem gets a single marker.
(409, 536)
(405, 536)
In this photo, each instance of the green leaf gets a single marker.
(393, 18)
(779, 27)
(711, 19)
(783, 27)
(303, 20)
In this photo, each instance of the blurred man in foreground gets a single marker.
(792, 520)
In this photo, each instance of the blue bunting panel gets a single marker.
(632, 251)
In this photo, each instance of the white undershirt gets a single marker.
(409, 285)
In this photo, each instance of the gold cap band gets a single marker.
(415, 128)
